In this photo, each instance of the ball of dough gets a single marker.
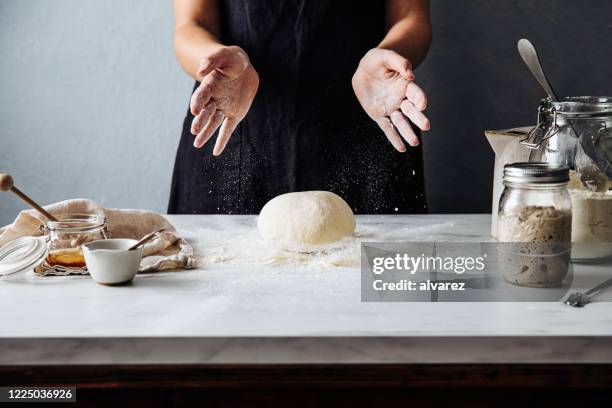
(307, 217)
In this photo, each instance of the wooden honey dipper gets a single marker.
(6, 184)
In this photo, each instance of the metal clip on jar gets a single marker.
(64, 240)
(534, 227)
(576, 132)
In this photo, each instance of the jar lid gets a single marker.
(580, 106)
(536, 173)
(21, 254)
(76, 223)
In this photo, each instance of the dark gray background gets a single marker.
(476, 81)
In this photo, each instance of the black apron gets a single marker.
(305, 129)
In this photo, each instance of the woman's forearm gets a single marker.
(409, 29)
(196, 33)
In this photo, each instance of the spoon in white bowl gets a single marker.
(145, 239)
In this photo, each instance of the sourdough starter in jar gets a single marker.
(534, 227)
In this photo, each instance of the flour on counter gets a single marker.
(241, 245)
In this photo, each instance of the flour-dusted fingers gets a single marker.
(198, 123)
(225, 132)
(385, 124)
(200, 98)
(403, 127)
(380, 83)
(209, 129)
(415, 115)
(415, 94)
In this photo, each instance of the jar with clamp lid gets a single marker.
(64, 239)
(576, 132)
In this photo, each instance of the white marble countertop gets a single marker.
(253, 312)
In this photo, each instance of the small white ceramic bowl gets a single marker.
(110, 263)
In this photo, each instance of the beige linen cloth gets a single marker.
(167, 251)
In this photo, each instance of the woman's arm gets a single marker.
(196, 34)
(409, 29)
(384, 81)
(228, 81)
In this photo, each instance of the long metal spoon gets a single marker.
(530, 57)
(579, 299)
(588, 170)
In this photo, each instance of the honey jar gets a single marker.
(65, 237)
(72, 258)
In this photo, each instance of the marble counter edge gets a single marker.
(307, 350)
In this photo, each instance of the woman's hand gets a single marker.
(227, 89)
(384, 85)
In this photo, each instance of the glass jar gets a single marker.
(534, 225)
(576, 132)
(64, 240)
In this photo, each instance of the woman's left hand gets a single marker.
(384, 85)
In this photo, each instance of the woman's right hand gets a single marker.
(227, 89)
(384, 85)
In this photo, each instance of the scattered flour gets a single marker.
(241, 245)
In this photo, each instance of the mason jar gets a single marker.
(65, 237)
(577, 132)
(534, 224)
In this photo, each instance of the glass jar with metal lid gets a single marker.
(577, 132)
(64, 240)
(534, 225)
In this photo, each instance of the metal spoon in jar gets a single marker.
(530, 57)
(590, 172)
